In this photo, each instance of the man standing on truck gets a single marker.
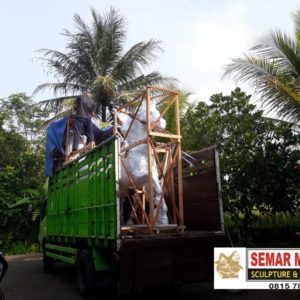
(85, 109)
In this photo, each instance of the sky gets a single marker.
(198, 37)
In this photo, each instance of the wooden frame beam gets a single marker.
(165, 154)
(137, 195)
(163, 112)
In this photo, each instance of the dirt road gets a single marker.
(26, 279)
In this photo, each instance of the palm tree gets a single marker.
(95, 61)
(170, 116)
(273, 68)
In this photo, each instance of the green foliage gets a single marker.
(21, 170)
(19, 114)
(95, 59)
(170, 115)
(257, 156)
(20, 247)
(199, 128)
(272, 68)
(266, 230)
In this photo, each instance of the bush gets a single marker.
(22, 248)
(15, 241)
(272, 230)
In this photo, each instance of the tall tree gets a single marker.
(95, 60)
(19, 114)
(170, 115)
(272, 67)
(257, 156)
(21, 168)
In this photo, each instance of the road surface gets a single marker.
(26, 279)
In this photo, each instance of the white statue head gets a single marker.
(142, 116)
(154, 114)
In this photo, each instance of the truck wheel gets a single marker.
(48, 262)
(85, 273)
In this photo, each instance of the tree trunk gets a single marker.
(103, 113)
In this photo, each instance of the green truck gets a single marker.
(81, 224)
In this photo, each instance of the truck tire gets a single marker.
(48, 262)
(85, 273)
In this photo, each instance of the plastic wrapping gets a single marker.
(136, 160)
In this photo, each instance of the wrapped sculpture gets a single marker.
(136, 159)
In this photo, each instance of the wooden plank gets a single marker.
(219, 188)
(165, 185)
(180, 188)
(143, 202)
(133, 210)
(131, 116)
(133, 119)
(134, 228)
(67, 133)
(169, 228)
(173, 161)
(137, 195)
(156, 156)
(179, 163)
(165, 99)
(151, 196)
(165, 176)
(166, 135)
(163, 112)
(175, 211)
(156, 229)
(170, 185)
(173, 153)
(129, 103)
(143, 141)
(161, 89)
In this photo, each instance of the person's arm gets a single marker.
(93, 108)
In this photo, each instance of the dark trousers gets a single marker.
(82, 126)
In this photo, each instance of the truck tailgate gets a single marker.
(167, 260)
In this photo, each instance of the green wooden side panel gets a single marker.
(82, 196)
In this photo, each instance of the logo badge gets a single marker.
(256, 268)
(229, 266)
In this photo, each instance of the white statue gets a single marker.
(136, 160)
